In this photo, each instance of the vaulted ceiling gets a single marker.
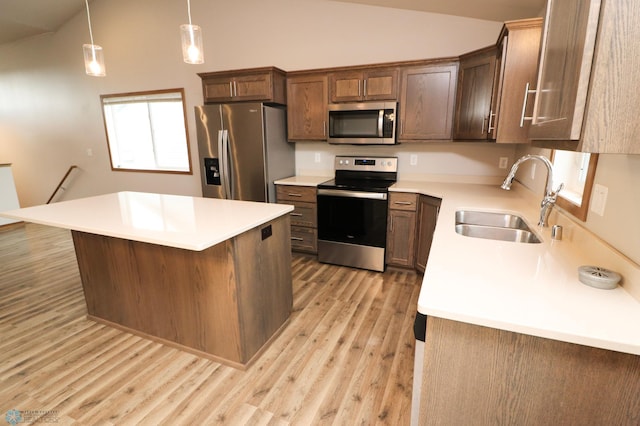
(27, 18)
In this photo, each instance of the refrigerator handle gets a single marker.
(223, 163)
(228, 193)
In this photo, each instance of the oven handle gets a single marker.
(353, 194)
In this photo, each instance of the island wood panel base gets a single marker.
(481, 375)
(226, 301)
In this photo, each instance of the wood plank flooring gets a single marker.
(346, 356)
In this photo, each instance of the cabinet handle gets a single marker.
(524, 105)
(358, 88)
(294, 194)
(483, 120)
(297, 239)
(403, 203)
(295, 214)
(391, 224)
(365, 88)
(324, 128)
(231, 89)
(491, 128)
(235, 88)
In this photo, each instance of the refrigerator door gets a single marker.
(210, 137)
(243, 123)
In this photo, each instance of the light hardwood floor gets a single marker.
(346, 356)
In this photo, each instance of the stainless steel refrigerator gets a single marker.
(243, 148)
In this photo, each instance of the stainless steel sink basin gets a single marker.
(494, 226)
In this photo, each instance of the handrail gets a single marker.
(66, 175)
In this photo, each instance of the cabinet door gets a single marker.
(346, 86)
(427, 98)
(519, 62)
(252, 87)
(568, 44)
(307, 101)
(473, 101)
(428, 209)
(401, 237)
(218, 89)
(381, 85)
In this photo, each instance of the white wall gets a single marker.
(50, 112)
(619, 226)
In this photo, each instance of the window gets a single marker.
(146, 131)
(577, 171)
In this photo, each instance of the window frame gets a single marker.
(580, 212)
(143, 93)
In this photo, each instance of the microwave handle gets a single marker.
(380, 122)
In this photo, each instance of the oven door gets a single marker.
(352, 228)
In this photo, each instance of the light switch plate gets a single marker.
(413, 159)
(502, 164)
(317, 157)
(599, 199)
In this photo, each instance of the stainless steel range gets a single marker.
(352, 212)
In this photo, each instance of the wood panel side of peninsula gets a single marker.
(225, 302)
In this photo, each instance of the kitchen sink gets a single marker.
(494, 226)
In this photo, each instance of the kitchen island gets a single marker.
(209, 276)
(512, 335)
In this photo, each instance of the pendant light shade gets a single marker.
(93, 55)
(93, 60)
(191, 36)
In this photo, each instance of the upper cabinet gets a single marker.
(588, 79)
(516, 70)
(493, 86)
(356, 86)
(427, 98)
(256, 84)
(473, 100)
(307, 107)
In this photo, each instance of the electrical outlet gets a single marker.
(413, 159)
(89, 152)
(599, 199)
(317, 157)
(502, 164)
(533, 171)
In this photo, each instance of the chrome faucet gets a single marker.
(550, 195)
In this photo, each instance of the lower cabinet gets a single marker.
(428, 208)
(410, 225)
(304, 221)
(401, 229)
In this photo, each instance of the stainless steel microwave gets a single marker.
(365, 123)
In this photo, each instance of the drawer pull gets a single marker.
(297, 239)
(295, 214)
(403, 203)
(293, 194)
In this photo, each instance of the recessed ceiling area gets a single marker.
(26, 18)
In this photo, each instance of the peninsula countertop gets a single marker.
(192, 223)
(524, 288)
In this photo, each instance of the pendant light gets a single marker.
(191, 36)
(93, 56)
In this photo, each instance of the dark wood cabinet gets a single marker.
(401, 229)
(428, 209)
(427, 98)
(307, 100)
(304, 222)
(358, 85)
(473, 99)
(588, 77)
(256, 84)
(516, 70)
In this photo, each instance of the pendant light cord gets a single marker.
(86, 2)
(188, 10)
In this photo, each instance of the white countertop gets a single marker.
(525, 288)
(303, 180)
(192, 223)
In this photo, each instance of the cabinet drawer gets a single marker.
(305, 214)
(304, 239)
(305, 194)
(403, 201)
